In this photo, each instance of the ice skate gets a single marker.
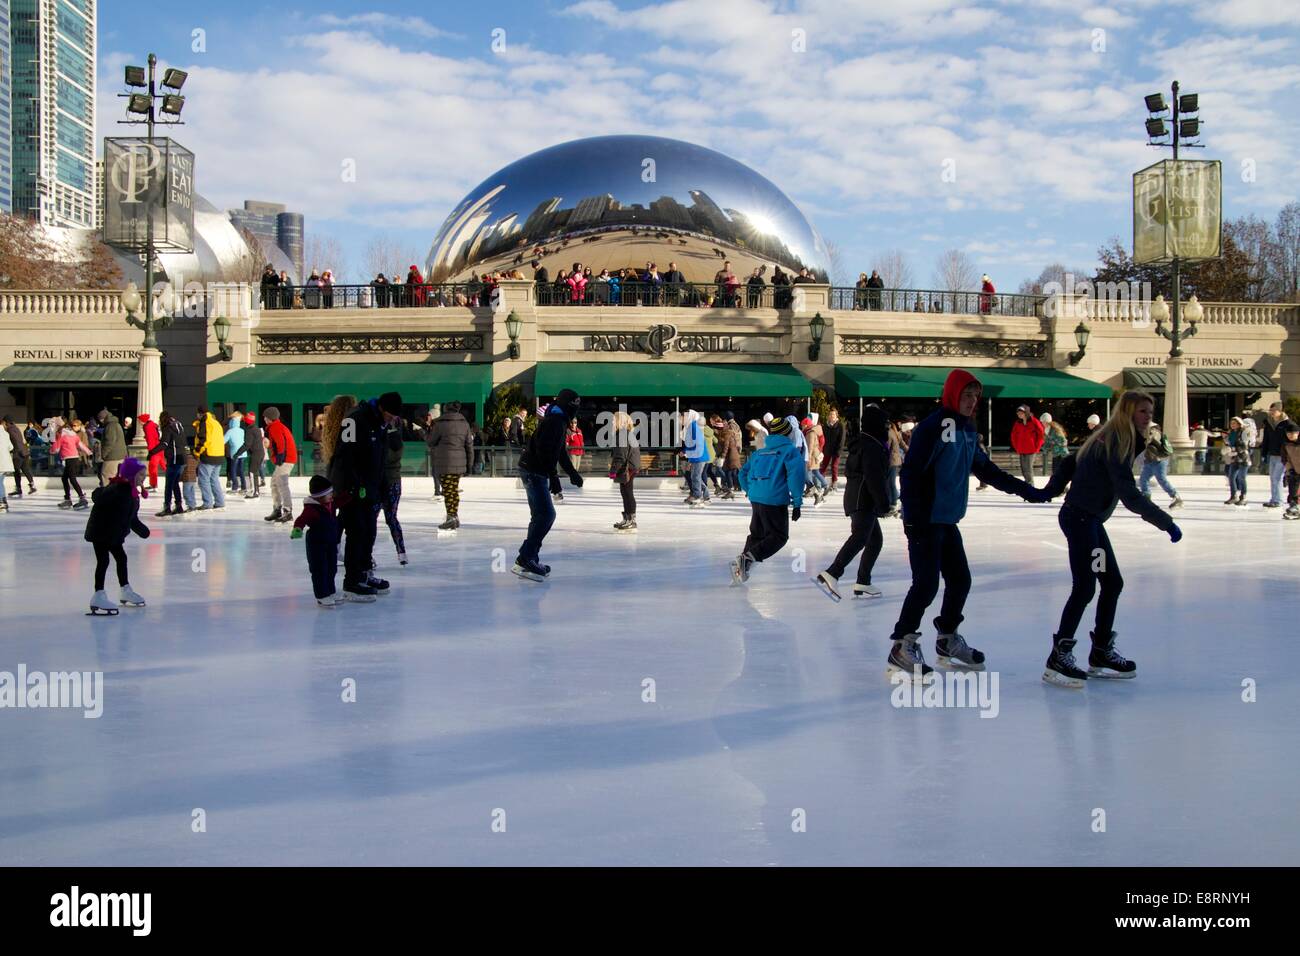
(953, 652)
(401, 558)
(66, 504)
(274, 515)
(529, 570)
(285, 515)
(1107, 663)
(826, 582)
(359, 593)
(451, 524)
(1292, 513)
(102, 606)
(379, 585)
(165, 513)
(1176, 503)
(1241, 501)
(866, 591)
(329, 602)
(1062, 669)
(740, 566)
(81, 505)
(627, 525)
(1232, 500)
(906, 657)
(130, 598)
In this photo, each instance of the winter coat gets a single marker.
(151, 435)
(19, 442)
(1157, 446)
(865, 477)
(6, 454)
(190, 473)
(451, 443)
(694, 446)
(209, 440)
(573, 442)
(896, 449)
(253, 444)
(775, 474)
(935, 476)
(1275, 437)
(1098, 481)
(813, 436)
(114, 439)
(356, 469)
(1291, 455)
(234, 439)
(170, 444)
(283, 449)
(394, 448)
(1027, 436)
(67, 445)
(728, 446)
(1236, 449)
(1251, 431)
(1054, 444)
(114, 514)
(545, 450)
(710, 440)
(625, 460)
(834, 435)
(515, 433)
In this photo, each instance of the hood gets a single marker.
(875, 423)
(568, 402)
(815, 418)
(692, 416)
(794, 424)
(957, 381)
(755, 424)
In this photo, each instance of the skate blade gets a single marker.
(360, 598)
(102, 612)
(826, 589)
(1060, 680)
(1103, 673)
(910, 674)
(865, 594)
(447, 532)
(953, 664)
(131, 604)
(527, 575)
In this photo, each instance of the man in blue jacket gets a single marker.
(943, 454)
(773, 478)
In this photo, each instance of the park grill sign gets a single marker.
(144, 180)
(1178, 211)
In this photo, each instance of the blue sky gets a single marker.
(1006, 128)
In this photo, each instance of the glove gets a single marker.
(147, 532)
(794, 515)
(1037, 496)
(1175, 534)
(577, 481)
(296, 533)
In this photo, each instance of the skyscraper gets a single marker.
(52, 57)
(6, 114)
(273, 226)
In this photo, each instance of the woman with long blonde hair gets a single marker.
(335, 412)
(1100, 475)
(624, 463)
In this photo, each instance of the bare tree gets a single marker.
(1287, 236)
(1054, 273)
(954, 272)
(325, 252)
(386, 253)
(895, 271)
(251, 261)
(838, 275)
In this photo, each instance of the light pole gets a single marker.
(1175, 424)
(149, 391)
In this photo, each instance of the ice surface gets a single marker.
(478, 692)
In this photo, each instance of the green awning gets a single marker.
(1202, 381)
(318, 383)
(653, 379)
(926, 381)
(60, 373)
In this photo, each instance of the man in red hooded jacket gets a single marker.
(1027, 436)
(152, 439)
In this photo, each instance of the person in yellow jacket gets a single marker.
(210, 450)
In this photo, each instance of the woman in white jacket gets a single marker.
(6, 466)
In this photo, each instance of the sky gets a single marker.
(1009, 129)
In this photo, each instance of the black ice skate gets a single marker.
(378, 584)
(102, 606)
(906, 657)
(1107, 663)
(627, 525)
(451, 524)
(1292, 513)
(273, 516)
(826, 582)
(1062, 670)
(529, 570)
(953, 651)
(359, 593)
(81, 505)
(66, 504)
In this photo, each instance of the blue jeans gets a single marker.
(210, 486)
(814, 477)
(189, 487)
(172, 487)
(1158, 470)
(239, 474)
(892, 482)
(1275, 471)
(699, 487)
(542, 510)
(1237, 479)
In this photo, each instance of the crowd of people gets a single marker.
(649, 286)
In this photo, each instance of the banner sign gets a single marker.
(1178, 211)
(148, 182)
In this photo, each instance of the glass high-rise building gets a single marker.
(52, 66)
(6, 113)
(273, 226)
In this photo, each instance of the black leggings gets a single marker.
(1092, 562)
(629, 499)
(22, 468)
(71, 469)
(864, 536)
(935, 551)
(102, 552)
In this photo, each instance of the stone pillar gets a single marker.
(1175, 423)
(148, 397)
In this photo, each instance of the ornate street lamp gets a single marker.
(149, 388)
(1081, 334)
(817, 327)
(221, 326)
(513, 327)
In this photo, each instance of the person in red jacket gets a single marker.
(987, 295)
(1027, 436)
(152, 437)
(284, 455)
(573, 444)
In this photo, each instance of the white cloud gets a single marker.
(413, 26)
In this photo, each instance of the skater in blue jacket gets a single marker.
(773, 478)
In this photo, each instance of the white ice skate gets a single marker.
(102, 606)
(329, 602)
(826, 582)
(866, 591)
(740, 566)
(130, 598)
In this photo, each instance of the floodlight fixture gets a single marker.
(135, 76)
(172, 104)
(1189, 128)
(140, 103)
(1187, 103)
(1156, 103)
(174, 79)
(1156, 128)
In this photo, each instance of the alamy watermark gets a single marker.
(1083, 299)
(83, 690)
(973, 689)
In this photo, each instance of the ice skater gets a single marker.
(322, 529)
(1291, 465)
(390, 492)
(451, 444)
(624, 462)
(114, 515)
(866, 501)
(544, 453)
(773, 479)
(942, 454)
(1100, 474)
(70, 449)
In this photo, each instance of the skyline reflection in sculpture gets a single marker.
(614, 202)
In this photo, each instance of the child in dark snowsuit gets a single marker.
(322, 541)
(115, 514)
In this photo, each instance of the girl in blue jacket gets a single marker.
(773, 478)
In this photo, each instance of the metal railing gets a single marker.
(935, 301)
(639, 293)
(413, 296)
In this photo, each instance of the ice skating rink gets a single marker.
(499, 721)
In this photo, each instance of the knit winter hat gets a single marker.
(778, 426)
(249, 419)
(272, 413)
(391, 402)
(1094, 420)
(129, 468)
(318, 485)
